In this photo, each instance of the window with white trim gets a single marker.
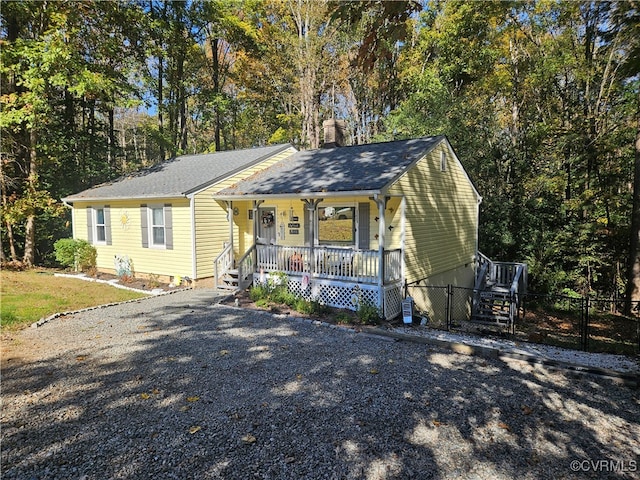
(157, 227)
(336, 225)
(100, 226)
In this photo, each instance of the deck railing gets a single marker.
(346, 264)
(507, 278)
(511, 276)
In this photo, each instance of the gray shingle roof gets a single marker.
(178, 176)
(345, 169)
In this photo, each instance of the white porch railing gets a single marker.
(392, 266)
(345, 264)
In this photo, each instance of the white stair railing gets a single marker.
(222, 263)
(246, 267)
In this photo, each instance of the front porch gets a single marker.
(338, 277)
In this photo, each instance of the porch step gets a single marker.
(229, 281)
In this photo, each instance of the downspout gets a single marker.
(73, 218)
(403, 237)
(194, 265)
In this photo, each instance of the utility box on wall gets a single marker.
(407, 310)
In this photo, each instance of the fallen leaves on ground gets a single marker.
(504, 426)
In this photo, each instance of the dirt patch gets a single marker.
(138, 283)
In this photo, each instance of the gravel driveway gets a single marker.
(177, 387)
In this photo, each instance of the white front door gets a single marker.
(267, 225)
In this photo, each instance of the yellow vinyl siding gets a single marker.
(126, 236)
(441, 215)
(212, 226)
(392, 218)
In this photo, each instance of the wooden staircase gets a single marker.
(228, 280)
(232, 275)
(498, 292)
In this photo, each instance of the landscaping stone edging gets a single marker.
(44, 320)
(113, 283)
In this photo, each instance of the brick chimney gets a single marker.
(334, 133)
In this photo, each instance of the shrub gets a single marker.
(274, 289)
(282, 295)
(262, 303)
(368, 313)
(258, 292)
(343, 318)
(77, 254)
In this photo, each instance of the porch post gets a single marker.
(256, 204)
(382, 226)
(230, 219)
(312, 206)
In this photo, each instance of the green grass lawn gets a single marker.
(28, 296)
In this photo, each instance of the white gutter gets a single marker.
(300, 195)
(113, 199)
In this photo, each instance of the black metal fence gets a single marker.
(569, 321)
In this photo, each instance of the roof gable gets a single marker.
(179, 176)
(368, 167)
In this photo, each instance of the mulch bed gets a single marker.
(137, 283)
(334, 316)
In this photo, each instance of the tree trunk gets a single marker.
(632, 297)
(215, 76)
(7, 224)
(160, 106)
(30, 225)
(111, 156)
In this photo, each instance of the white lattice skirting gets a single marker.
(347, 295)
